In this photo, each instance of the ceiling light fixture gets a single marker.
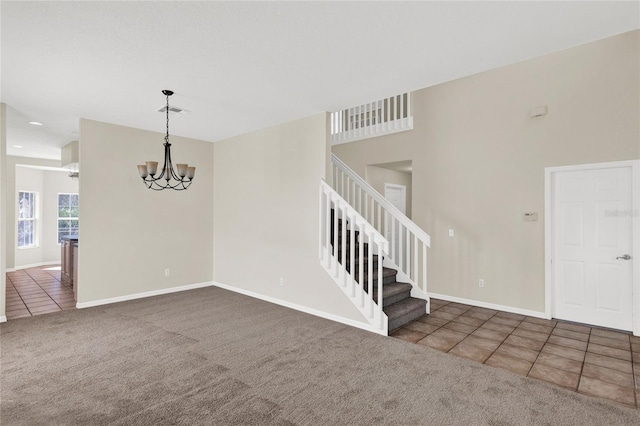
(172, 180)
(35, 123)
(17, 146)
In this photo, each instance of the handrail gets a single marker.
(408, 223)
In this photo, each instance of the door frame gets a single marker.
(635, 230)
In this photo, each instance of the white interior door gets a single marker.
(591, 247)
(397, 195)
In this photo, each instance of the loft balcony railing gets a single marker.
(381, 117)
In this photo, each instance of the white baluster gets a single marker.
(393, 238)
(379, 218)
(380, 284)
(328, 230)
(336, 213)
(400, 247)
(424, 268)
(361, 265)
(408, 270)
(343, 234)
(352, 255)
(415, 259)
(321, 216)
(408, 104)
(401, 107)
(370, 276)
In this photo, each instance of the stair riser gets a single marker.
(406, 318)
(395, 298)
(385, 280)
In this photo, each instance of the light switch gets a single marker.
(451, 233)
(530, 217)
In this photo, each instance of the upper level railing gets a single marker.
(377, 118)
(408, 243)
(347, 243)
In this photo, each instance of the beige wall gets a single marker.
(378, 176)
(266, 215)
(479, 159)
(3, 207)
(129, 234)
(11, 220)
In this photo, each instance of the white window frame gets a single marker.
(77, 218)
(34, 220)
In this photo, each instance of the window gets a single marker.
(67, 215)
(26, 219)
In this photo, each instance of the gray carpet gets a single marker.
(211, 356)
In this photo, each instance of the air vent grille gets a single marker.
(173, 110)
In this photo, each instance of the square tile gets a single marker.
(415, 326)
(518, 366)
(517, 352)
(429, 319)
(574, 327)
(609, 334)
(607, 351)
(524, 342)
(509, 315)
(462, 328)
(606, 390)
(559, 363)
(478, 314)
(608, 375)
(608, 362)
(534, 335)
(612, 343)
(568, 343)
(505, 321)
(460, 306)
(536, 327)
(12, 316)
(438, 343)
(490, 334)
(570, 334)
(498, 327)
(488, 344)
(470, 321)
(443, 315)
(564, 352)
(556, 376)
(472, 352)
(444, 333)
(408, 335)
(452, 310)
(541, 321)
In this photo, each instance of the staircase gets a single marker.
(398, 305)
(376, 255)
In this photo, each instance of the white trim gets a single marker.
(635, 226)
(33, 265)
(487, 305)
(3, 319)
(301, 308)
(82, 305)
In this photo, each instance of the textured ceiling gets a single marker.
(243, 66)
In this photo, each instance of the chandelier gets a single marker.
(168, 178)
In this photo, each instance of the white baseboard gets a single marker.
(300, 308)
(3, 319)
(493, 306)
(33, 265)
(82, 305)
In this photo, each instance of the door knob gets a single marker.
(624, 257)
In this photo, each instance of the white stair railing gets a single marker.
(408, 243)
(377, 118)
(340, 222)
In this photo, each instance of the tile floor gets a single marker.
(595, 361)
(37, 291)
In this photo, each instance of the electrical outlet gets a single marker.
(167, 272)
(451, 233)
(281, 282)
(481, 283)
